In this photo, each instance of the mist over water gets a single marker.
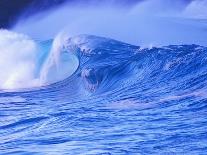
(151, 22)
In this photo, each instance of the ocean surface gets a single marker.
(99, 96)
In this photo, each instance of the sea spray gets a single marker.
(20, 62)
(60, 63)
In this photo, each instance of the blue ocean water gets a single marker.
(122, 99)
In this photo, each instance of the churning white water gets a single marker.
(22, 67)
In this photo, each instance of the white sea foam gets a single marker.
(17, 64)
(19, 61)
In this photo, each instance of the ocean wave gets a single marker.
(99, 64)
(117, 98)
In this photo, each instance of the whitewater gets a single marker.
(103, 92)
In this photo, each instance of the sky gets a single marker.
(10, 11)
(140, 22)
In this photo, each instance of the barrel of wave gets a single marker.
(21, 64)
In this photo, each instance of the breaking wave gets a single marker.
(129, 96)
(27, 63)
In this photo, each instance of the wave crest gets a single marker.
(25, 63)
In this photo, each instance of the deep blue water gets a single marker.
(121, 100)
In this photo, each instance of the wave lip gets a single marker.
(60, 63)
